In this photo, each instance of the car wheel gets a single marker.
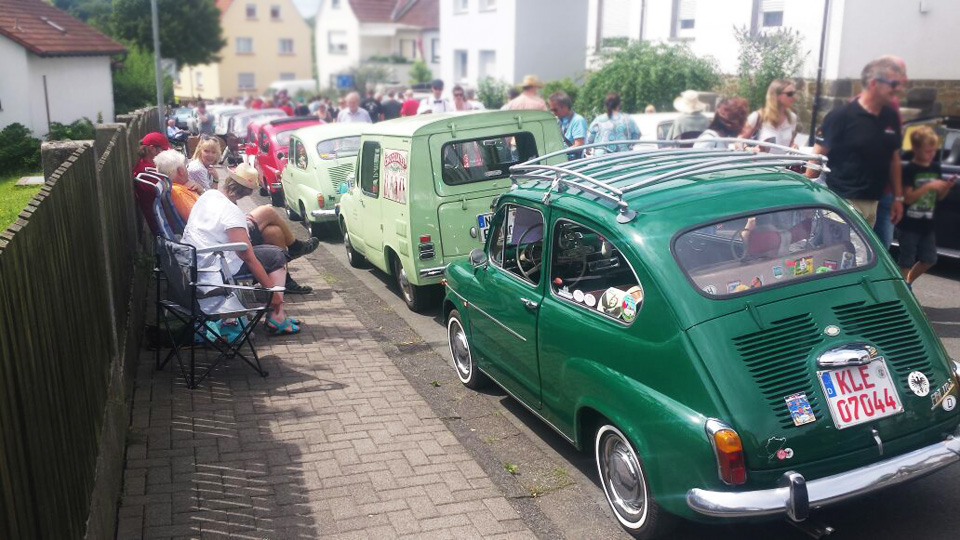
(625, 485)
(264, 192)
(467, 371)
(276, 198)
(293, 215)
(355, 259)
(414, 296)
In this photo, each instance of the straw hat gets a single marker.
(531, 80)
(689, 102)
(246, 176)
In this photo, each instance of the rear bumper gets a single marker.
(432, 272)
(323, 213)
(795, 496)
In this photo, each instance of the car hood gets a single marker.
(760, 357)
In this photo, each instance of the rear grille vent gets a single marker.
(888, 326)
(777, 358)
(339, 175)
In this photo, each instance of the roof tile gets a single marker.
(46, 31)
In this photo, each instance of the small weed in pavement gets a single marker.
(511, 468)
(435, 383)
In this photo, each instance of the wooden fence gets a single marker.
(66, 280)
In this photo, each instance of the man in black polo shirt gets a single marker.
(862, 139)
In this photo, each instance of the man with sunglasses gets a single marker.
(862, 141)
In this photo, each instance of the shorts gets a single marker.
(271, 258)
(256, 237)
(866, 208)
(916, 245)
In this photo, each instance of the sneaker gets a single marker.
(299, 248)
(295, 288)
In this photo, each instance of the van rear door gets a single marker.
(472, 170)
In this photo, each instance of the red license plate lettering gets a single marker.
(858, 394)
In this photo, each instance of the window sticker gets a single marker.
(396, 174)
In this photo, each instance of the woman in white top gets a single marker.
(775, 122)
(204, 158)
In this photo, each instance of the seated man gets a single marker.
(264, 224)
(175, 134)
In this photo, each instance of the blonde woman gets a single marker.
(776, 122)
(205, 157)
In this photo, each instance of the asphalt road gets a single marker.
(554, 487)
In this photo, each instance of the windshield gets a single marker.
(334, 148)
(753, 252)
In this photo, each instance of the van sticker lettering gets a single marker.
(941, 395)
(395, 175)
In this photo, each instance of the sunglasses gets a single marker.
(790, 94)
(458, 95)
(893, 83)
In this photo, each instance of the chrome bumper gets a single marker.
(323, 213)
(795, 496)
(432, 272)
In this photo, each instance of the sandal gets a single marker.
(285, 328)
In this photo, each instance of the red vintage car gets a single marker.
(271, 145)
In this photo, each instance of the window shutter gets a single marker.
(616, 22)
(687, 10)
(768, 6)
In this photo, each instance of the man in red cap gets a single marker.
(151, 145)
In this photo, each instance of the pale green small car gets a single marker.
(319, 160)
(425, 186)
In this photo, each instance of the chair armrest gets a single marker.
(244, 287)
(233, 246)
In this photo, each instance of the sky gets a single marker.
(308, 8)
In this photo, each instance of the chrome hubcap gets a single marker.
(622, 478)
(404, 282)
(459, 349)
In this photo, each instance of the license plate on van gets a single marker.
(483, 225)
(859, 394)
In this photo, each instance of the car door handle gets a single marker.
(529, 304)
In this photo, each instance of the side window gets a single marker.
(588, 270)
(300, 152)
(264, 142)
(516, 244)
(370, 169)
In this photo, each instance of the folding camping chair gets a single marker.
(198, 304)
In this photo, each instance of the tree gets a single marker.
(96, 13)
(420, 73)
(643, 73)
(492, 93)
(134, 85)
(564, 85)
(190, 32)
(367, 76)
(765, 56)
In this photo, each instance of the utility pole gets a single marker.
(156, 63)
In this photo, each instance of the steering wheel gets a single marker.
(531, 253)
(733, 245)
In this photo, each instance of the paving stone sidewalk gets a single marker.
(335, 443)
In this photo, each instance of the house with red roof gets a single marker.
(267, 41)
(54, 67)
(391, 33)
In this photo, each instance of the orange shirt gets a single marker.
(523, 102)
(183, 200)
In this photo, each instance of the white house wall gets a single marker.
(428, 37)
(341, 19)
(477, 31)
(77, 87)
(14, 87)
(550, 37)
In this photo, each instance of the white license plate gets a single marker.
(859, 394)
(483, 225)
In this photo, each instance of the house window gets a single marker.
(288, 76)
(771, 13)
(459, 65)
(244, 45)
(246, 81)
(198, 80)
(488, 5)
(684, 19)
(461, 6)
(337, 42)
(251, 11)
(487, 64)
(615, 25)
(408, 49)
(435, 50)
(275, 12)
(334, 4)
(286, 46)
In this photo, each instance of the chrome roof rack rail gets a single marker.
(737, 161)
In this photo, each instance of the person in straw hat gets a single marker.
(529, 99)
(691, 118)
(216, 219)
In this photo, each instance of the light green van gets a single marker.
(320, 158)
(425, 185)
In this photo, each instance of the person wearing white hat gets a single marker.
(691, 118)
(216, 219)
(529, 99)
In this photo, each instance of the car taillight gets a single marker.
(729, 452)
(320, 201)
(427, 250)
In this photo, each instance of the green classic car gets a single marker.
(424, 188)
(730, 340)
(320, 159)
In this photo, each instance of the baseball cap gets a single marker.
(156, 139)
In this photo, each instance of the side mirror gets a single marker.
(478, 258)
(280, 156)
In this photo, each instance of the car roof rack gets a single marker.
(652, 166)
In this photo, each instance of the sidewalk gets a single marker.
(335, 443)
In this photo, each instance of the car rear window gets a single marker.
(752, 252)
(334, 148)
(487, 158)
